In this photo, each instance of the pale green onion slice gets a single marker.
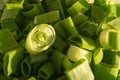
(40, 38)
(104, 38)
(15, 4)
(79, 71)
(75, 53)
(110, 39)
(98, 55)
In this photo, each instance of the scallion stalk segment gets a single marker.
(40, 38)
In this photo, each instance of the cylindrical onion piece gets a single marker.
(12, 60)
(109, 39)
(75, 53)
(98, 55)
(104, 38)
(79, 71)
(26, 67)
(40, 38)
(104, 71)
(46, 71)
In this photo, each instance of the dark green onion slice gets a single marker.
(26, 67)
(69, 26)
(78, 6)
(40, 38)
(57, 60)
(46, 71)
(105, 72)
(57, 43)
(7, 41)
(49, 17)
(30, 11)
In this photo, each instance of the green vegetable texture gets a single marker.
(59, 39)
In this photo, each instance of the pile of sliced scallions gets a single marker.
(59, 40)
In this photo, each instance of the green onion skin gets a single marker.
(40, 38)
(97, 55)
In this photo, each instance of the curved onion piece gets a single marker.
(40, 38)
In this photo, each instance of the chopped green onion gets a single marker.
(46, 17)
(118, 76)
(105, 72)
(79, 18)
(115, 23)
(114, 40)
(75, 53)
(78, 7)
(9, 14)
(58, 42)
(30, 11)
(100, 12)
(32, 78)
(111, 57)
(87, 28)
(11, 25)
(66, 63)
(56, 5)
(57, 58)
(98, 55)
(109, 39)
(38, 58)
(46, 71)
(79, 71)
(59, 28)
(7, 41)
(82, 41)
(26, 67)
(40, 38)
(13, 4)
(69, 26)
(12, 60)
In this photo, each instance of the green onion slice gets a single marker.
(75, 53)
(109, 39)
(40, 38)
